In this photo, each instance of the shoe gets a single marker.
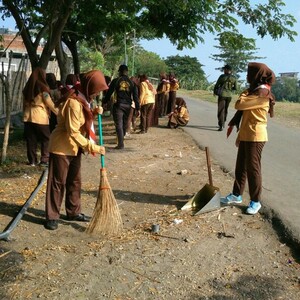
(51, 224)
(31, 164)
(43, 164)
(253, 208)
(79, 218)
(142, 132)
(119, 147)
(220, 128)
(232, 199)
(127, 135)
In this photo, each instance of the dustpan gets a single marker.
(208, 198)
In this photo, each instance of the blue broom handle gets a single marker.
(101, 138)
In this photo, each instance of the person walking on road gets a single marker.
(252, 107)
(224, 86)
(125, 92)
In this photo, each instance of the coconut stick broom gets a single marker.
(106, 217)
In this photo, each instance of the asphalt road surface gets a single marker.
(280, 161)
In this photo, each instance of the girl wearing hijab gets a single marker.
(37, 105)
(68, 141)
(180, 115)
(253, 106)
(147, 99)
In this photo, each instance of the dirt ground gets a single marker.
(222, 254)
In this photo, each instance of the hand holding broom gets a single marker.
(106, 218)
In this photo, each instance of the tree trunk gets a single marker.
(8, 105)
(63, 62)
(53, 35)
(72, 45)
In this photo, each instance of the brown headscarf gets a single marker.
(71, 79)
(51, 80)
(35, 85)
(180, 102)
(91, 84)
(259, 73)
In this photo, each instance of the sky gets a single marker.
(280, 55)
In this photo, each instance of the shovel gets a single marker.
(208, 198)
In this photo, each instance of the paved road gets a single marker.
(280, 161)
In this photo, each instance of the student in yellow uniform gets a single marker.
(251, 118)
(70, 138)
(37, 105)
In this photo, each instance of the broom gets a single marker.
(106, 217)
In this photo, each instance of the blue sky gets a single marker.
(281, 55)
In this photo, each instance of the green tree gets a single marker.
(188, 70)
(286, 89)
(184, 23)
(235, 50)
(149, 63)
(91, 59)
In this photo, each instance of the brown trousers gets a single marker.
(146, 113)
(248, 166)
(223, 104)
(64, 178)
(35, 134)
(172, 102)
(155, 113)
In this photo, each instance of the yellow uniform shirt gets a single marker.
(38, 111)
(254, 121)
(146, 95)
(68, 135)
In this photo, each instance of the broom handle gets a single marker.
(208, 166)
(101, 138)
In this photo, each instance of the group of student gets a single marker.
(132, 97)
(72, 133)
(60, 119)
(62, 145)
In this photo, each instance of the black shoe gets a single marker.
(220, 128)
(79, 218)
(119, 147)
(51, 224)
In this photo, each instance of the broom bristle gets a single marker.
(106, 217)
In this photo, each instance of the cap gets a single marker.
(123, 68)
(227, 67)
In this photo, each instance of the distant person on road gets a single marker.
(180, 116)
(252, 107)
(224, 86)
(37, 105)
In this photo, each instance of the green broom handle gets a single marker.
(101, 138)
